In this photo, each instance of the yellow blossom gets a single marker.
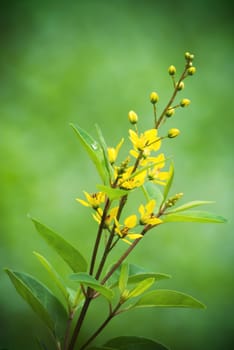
(155, 174)
(149, 140)
(128, 181)
(93, 200)
(147, 214)
(109, 217)
(113, 152)
(123, 231)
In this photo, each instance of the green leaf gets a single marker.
(193, 216)
(109, 168)
(112, 193)
(53, 274)
(136, 275)
(141, 287)
(169, 182)
(90, 281)
(189, 205)
(123, 277)
(66, 251)
(152, 191)
(94, 151)
(134, 343)
(168, 298)
(41, 300)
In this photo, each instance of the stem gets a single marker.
(183, 75)
(79, 323)
(125, 255)
(69, 322)
(98, 238)
(111, 237)
(121, 259)
(155, 114)
(103, 325)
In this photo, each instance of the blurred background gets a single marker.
(91, 62)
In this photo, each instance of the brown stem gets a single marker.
(103, 325)
(69, 322)
(183, 75)
(79, 323)
(98, 238)
(111, 237)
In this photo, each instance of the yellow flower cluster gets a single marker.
(143, 164)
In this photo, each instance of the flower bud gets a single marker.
(173, 133)
(154, 97)
(133, 117)
(180, 86)
(191, 70)
(170, 112)
(187, 55)
(172, 70)
(185, 102)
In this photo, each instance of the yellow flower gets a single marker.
(128, 181)
(113, 152)
(123, 232)
(148, 141)
(155, 174)
(147, 215)
(109, 217)
(93, 200)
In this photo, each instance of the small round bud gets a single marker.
(185, 102)
(133, 117)
(154, 97)
(187, 55)
(180, 86)
(173, 133)
(170, 112)
(191, 57)
(172, 70)
(191, 70)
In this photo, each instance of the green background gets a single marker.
(91, 62)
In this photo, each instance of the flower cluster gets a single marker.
(143, 164)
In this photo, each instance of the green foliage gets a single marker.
(41, 300)
(193, 216)
(65, 250)
(94, 151)
(87, 280)
(134, 343)
(136, 274)
(54, 275)
(168, 298)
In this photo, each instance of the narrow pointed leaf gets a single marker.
(94, 151)
(136, 275)
(152, 191)
(169, 182)
(108, 166)
(193, 216)
(123, 278)
(189, 205)
(168, 298)
(41, 300)
(53, 274)
(134, 343)
(66, 251)
(90, 281)
(112, 193)
(141, 287)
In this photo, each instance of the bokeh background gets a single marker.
(91, 62)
